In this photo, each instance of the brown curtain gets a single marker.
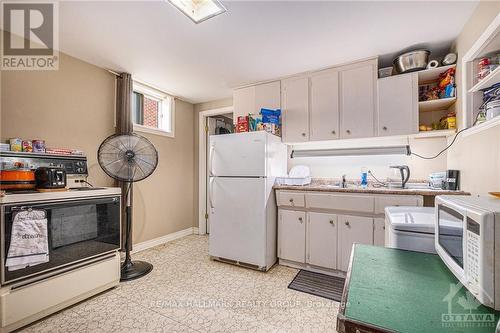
(124, 125)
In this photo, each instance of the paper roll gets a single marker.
(433, 64)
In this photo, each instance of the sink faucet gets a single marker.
(344, 182)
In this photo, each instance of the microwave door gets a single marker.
(449, 240)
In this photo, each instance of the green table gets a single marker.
(389, 290)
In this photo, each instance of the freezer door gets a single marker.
(238, 219)
(237, 155)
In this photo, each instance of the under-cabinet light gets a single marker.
(395, 150)
(199, 10)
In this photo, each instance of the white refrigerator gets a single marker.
(242, 207)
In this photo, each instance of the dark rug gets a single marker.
(318, 284)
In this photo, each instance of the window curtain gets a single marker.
(124, 125)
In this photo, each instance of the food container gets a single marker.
(27, 146)
(16, 144)
(242, 124)
(492, 109)
(17, 179)
(38, 146)
(384, 72)
(4, 147)
(411, 61)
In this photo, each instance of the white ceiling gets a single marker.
(253, 41)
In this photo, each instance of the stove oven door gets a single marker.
(77, 230)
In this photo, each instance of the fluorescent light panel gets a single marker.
(199, 10)
(395, 150)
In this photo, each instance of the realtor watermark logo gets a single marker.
(463, 311)
(30, 36)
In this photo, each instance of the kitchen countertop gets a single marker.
(331, 185)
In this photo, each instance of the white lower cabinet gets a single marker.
(292, 235)
(321, 240)
(316, 231)
(353, 229)
(379, 231)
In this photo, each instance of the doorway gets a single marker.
(211, 122)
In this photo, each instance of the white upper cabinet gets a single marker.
(398, 105)
(295, 109)
(357, 100)
(324, 105)
(252, 99)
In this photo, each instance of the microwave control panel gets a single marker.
(473, 250)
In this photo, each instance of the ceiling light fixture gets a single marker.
(199, 10)
(395, 150)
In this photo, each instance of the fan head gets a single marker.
(127, 157)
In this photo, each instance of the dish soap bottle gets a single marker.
(364, 177)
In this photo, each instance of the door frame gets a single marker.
(202, 164)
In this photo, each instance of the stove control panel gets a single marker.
(73, 164)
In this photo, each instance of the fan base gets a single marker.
(134, 269)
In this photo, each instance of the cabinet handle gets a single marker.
(383, 228)
(384, 128)
(348, 131)
(333, 132)
(291, 199)
(300, 220)
(303, 134)
(347, 223)
(331, 222)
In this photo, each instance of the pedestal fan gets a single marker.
(128, 158)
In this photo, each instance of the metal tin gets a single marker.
(38, 146)
(16, 144)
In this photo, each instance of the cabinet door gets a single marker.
(322, 240)
(244, 102)
(357, 101)
(292, 235)
(325, 105)
(353, 229)
(397, 105)
(295, 103)
(379, 232)
(267, 96)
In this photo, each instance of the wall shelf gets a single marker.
(488, 81)
(432, 74)
(436, 104)
(482, 127)
(434, 134)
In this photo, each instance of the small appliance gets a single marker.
(473, 260)
(452, 182)
(404, 170)
(50, 178)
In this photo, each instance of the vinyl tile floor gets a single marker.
(188, 292)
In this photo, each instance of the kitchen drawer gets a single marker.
(355, 203)
(290, 199)
(396, 200)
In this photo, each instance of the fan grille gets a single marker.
(127, 157)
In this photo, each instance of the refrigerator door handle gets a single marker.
(210, 193)
(211, 160)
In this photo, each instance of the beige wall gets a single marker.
(74, 108)
(476, 156)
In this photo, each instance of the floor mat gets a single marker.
(318, 284)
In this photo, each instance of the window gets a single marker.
(152, 111)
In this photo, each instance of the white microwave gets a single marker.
(475, 260)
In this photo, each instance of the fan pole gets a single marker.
(131, 270)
